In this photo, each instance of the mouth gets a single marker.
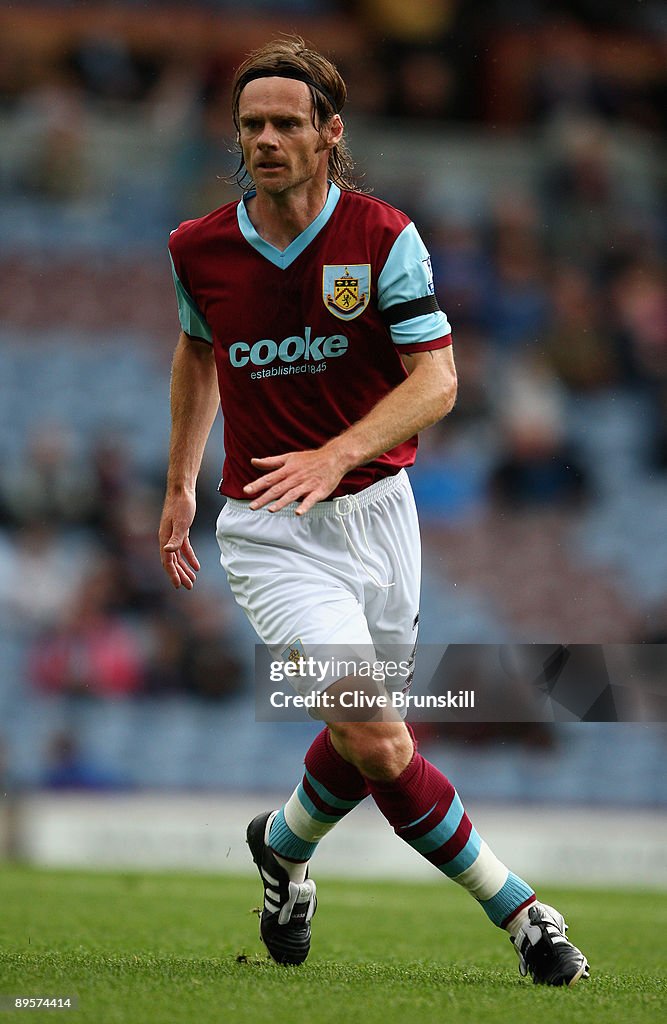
(269, 165)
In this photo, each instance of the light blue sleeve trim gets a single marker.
(407, 275)
(421, 328)
(191, 319)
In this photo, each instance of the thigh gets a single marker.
(393, 613)
(289, 577)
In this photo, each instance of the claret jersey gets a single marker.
(306, 340)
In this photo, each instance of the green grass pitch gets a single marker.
(164, 948)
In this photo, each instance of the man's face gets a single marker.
(281, 148)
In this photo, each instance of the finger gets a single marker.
(178, 571)
(310, 500)
(184, 569)
(175, 542)
(277, 492)
(178, 544)
(269, 461)
(169, 566)
(183, 574)
(265, 481)
(190, 555)
(184, 579)
(269, 488)
(286, 499)
(262, 500)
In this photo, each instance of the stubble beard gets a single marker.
(292, 179)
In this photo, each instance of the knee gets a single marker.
(379, 750)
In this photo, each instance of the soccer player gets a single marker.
(308, 311)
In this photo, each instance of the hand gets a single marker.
(176, 554)
(310, 476)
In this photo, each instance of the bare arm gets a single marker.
(424, 397)
(194, 404)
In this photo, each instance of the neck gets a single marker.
(281, 218)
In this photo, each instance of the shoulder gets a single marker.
(191, 235)
(378, 224)
(375, 212)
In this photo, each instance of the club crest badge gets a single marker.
(346, 289)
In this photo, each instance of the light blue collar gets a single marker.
(284, 259)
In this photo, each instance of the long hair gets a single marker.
(292, 54)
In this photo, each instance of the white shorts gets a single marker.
(346, 575)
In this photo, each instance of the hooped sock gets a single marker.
(331, 787)
(424, 809)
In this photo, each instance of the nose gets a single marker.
(267, 138)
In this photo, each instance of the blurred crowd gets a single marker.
(83, 585)
(556, 291)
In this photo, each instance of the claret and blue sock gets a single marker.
(331, 787)
(424, 810)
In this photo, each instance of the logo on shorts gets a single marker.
(346, 289)
(294, 653)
